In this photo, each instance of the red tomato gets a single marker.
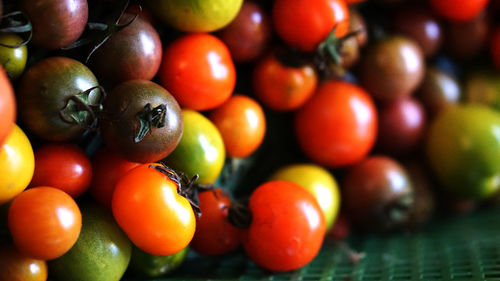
(147, 206)
(242, 124)
(338, 125)
(7, 106)
(305, 23)
(107, 168)
(19, 267)
(64, 166)
(459, 10)
(45, 222)
(281, 87)
(287, 227)
(215, 235)
(198, 71)
(495, 47)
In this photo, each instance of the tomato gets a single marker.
(7, 106)
(319, 182)
(482, 86)
(64, 166)
(214, 234)
(242, 124)
(495, 47)
(281, 87)
(305, 23)
(196, 15)
(101, 253)
(201, 149)
(17, 164)
(458, 10)
(147, 206)
(143, 263)
(13, 59)
(338, 125)
(438, 90)
(287, 227)
(107, 168)
(463, 148)
(341, 229)
(19, 267)
(44, 222)
(198, 70)
(465, 40)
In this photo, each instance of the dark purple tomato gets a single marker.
(401, 126)
(52, 99)
(424, 195)
(392, 68)
(420, 25)
(248, 34)
(143, 123)
(378, 194)
(133, 53)
(464, 40)
(350, 47)
(56, 23)
(438, 90)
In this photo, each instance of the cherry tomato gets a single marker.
(17, 164)
(438, 90)
(107, 168)
(64, 166)
(148, 208)
(458, 10)
(464, 40)
(287, 228)
(242, 124)
(7, 106)
(215, 235)
(198, 70)
(495, 48)
(282, 87)
(44, 222)
(19, 267)
(338, 125)
(13, 59)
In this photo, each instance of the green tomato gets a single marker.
(13, 60)
(483, 87)
(196, 15)
(463, 149)
(155, 266)
(319, 182)
(101, 253)
(200, 150)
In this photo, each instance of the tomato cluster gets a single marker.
(134, 132)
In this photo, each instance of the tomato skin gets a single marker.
(19, 267)
(198, 70)
(495, 47)
(8, 106)
(283, 88)
(242, 124)
(64, 166)
(13, 59)
(149, 210)
(338, 125)
(215, 235)
(458, 10)
(287, 227)
(44, 222)
(305, 23)
(17, 164)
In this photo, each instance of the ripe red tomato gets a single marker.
(19, 267)
(64, 166)
(495, 47)
(284, 88)
(242, 124)
(147, 206)
(45, 222)
(338, 125)
(287, 227)
(459, 10)
(215, 235)
(107, 168)
(7, 106)
(198, 70)
(305, 23)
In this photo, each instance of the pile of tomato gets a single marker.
(135, 132)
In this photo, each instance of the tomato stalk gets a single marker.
(150, 117)
(399, 210)
(80, 109)
(16, 22)
(239, 215)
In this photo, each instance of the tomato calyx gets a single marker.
(150, 117)
(239, 215)
(398, 211)
(80, 109)
(16, 22)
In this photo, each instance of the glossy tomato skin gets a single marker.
(198, 70)
(56, 24)
(438, 90)
(495, 47)
(13, 59)
(215, 235)
(64, 166)
(17, 164)
(304, 23)
(338, 125)
(44, 222)
(458, 10)
(19, 267)
(291, 221)
(242, 124)
(44, 91)
(281, 87)
(201, 149)
(8, 107)
(149, 210)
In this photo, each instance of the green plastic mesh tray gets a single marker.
(465, 247)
